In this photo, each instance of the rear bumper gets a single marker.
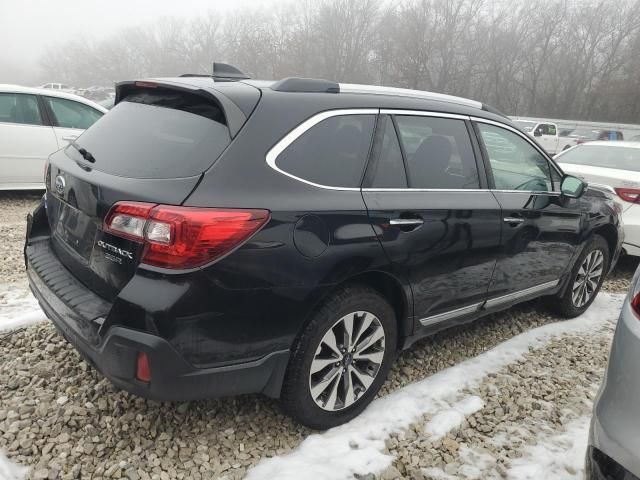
(79, 315)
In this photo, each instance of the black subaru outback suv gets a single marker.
(220, 236)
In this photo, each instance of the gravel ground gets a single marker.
(541, 394)
(14, 208)
(61, 418)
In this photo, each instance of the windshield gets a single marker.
(526, 125)
(163, 135)
(621, 158)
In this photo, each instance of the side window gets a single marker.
(438, 152)
(388, 166)
(71, 114)
(551, 130)
(19, 108)
(515, 163)
(333, 152)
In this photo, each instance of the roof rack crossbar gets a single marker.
(307, 85)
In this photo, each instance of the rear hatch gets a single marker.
(153, 146)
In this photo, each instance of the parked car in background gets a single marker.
(225, 237)
(614, 439)
(56, 86)
(617, 165)
(582, 135)
(547, 135)
(33, 124)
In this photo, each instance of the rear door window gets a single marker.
(19, 108)
(71, 114)
(331, 153)
(157, 134)
(438, 153)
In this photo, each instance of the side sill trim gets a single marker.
(451, 314)
(458, 312)
(522, 293)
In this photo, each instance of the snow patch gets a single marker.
(18, 308)
(357, 447)
(560, 455)
(9, 470)
(446, 420)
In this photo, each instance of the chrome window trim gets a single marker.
(544, 154)
(476, 307)
(521, 293)
(423, 113)
(293, 135)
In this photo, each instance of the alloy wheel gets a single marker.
(347, 361)
(588, 278)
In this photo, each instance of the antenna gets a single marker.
(224, 71)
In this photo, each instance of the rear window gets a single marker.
(157, 134)
(621, 158)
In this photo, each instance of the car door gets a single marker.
(70, 118)
(429, 206)
(540, 227)
(25, 141)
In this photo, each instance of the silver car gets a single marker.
(614, 440)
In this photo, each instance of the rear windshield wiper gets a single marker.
(83, 151)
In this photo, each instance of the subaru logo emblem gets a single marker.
(60, 184)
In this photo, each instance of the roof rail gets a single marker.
(308, 85)
(224, 71)
(405, 92)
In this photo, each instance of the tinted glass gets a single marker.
(333, 152)
(19, 108)
(389, 167)
(150, 140)
(515, 163)
(622, 158)
(70, 114)
(438, 151)
(548, 129)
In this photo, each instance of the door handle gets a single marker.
(513, 220)
(407, 224)
(406, 221)
(70, 138)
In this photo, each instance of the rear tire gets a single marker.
(341, 358)
(587, 275)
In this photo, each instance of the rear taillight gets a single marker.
(629, 194)
(183, 237)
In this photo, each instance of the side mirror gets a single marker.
(572, 187)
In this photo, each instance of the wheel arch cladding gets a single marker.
(391, 290)
(610, 234)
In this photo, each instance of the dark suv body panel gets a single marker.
(227, 327)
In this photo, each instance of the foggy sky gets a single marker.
(29, 27)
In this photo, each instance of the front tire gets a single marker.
(341, 359)
(586, 278)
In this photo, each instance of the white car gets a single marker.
(57, 86)
(34, 123)
(616, 164)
